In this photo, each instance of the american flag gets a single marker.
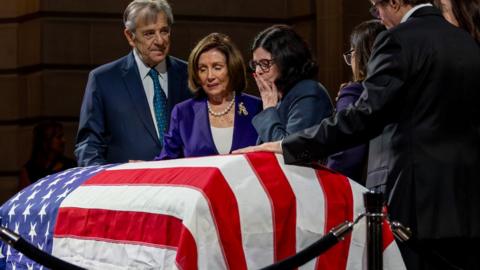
(218, 212)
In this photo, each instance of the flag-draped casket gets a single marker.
(219, 212)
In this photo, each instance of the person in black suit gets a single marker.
(127, 103)
(420, 97)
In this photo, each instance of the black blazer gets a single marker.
(115, 120)
(420, 99)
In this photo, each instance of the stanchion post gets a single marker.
(373, 205)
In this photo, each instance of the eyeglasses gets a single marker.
(265, 64)
(347, 56)
(374, 10)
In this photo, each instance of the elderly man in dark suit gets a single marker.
(420, 98)
(127, 102)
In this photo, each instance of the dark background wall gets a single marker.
(47, 48)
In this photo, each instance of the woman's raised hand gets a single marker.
(268, 91)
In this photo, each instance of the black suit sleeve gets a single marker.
(378, 105)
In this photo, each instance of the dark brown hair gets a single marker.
(467, 14)
(405, 2)
(416, 2)
(291, 54)
(408, 2)
(361, 41)
(235, 63)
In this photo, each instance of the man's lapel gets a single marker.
(131, 77)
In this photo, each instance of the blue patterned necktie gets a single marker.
(159, 104)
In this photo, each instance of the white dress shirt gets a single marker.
(222, 138)
(410, 12)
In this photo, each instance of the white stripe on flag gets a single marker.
(392, 258)
(183, 203)
(108, 255)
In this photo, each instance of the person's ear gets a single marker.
(130, 37)
(395, 4)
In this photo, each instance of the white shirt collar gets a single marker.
(410, 12)
(144, 69)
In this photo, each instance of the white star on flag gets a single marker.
(32, 232)
(64, 173)
(29, 266)
(54, 182)
(32, 196)
(63, 195)
(78, 172)
(17, 197)
(43, 211)
(9, 252)
(96, 170)
(12, 212)
(26, 213)
(46, 231)
(71, 181)
(46, 197)
(39, 183)
(17, 228)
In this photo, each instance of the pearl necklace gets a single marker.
(218, 114)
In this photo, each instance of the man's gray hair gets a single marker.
(147, 10)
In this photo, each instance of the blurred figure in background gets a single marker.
(219, 118)
(462, 13)
(352, 162)
(47, 157)
(284, 70)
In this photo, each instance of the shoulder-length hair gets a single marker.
(234, 59)
(361, 41)
(467, 14)
(289, 52)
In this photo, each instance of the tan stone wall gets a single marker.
(49, 46)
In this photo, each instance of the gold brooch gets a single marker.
(241, 109)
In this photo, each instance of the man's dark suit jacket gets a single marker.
(115, 120)
(421, 97)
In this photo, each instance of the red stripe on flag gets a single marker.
(138, 228)
(387, 234)
(209, 181)
(282, 200)
(187, 257)
(338, 208)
